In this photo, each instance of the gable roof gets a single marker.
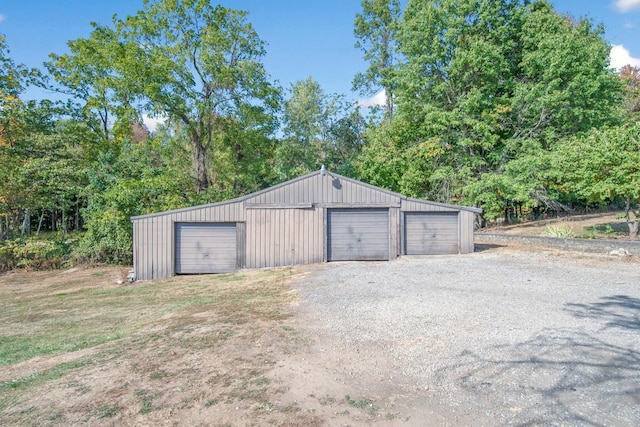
(305, 177)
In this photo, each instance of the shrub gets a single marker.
(35, 253)
(558, 230)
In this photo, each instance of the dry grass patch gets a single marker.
(76, 348)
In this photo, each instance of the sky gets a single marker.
(304, 37)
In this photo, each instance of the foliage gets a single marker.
(476, 87)
(375, 30)
(318, 129)
(631, 79)
(140, 179)
(185, 60)
(604, 165)
(36, 253)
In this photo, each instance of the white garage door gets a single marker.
(358, 234)
(205, 248)
(431, 233)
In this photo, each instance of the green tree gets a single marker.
(491, 87)
(87, 76)
(603, 165)
(318, 129)
(184, 59)
(375, 31)
(631, 80)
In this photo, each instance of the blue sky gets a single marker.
(304, 37)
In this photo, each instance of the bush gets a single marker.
(36, 253)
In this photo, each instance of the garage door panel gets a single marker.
(431, 233)
(205, 248)
(358, 234)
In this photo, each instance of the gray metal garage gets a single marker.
(318, 217)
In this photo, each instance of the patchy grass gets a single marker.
(365, 404)
(77, 348)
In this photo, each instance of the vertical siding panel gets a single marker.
(304, 238)
(255, 241)
(317, 222)
(274, 242)
(285, 232)
(167, 227)
(262, 255)
(276, 237)
(252, 241)
(149, 247)
(169, 244)
(292, 244)
(136, 247)
(257, 227)
(159, 246)
(158, 241)
(393, 235)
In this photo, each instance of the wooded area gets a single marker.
(504, 105)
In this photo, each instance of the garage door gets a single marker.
(205, 248)
(431, 233)
(357, 234)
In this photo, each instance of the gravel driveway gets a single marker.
(505, 337)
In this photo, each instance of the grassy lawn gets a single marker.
(75, 347)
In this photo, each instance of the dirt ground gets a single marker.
(199, 363)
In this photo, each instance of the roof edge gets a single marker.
(322, 171)
(447, 205)
(223, 202)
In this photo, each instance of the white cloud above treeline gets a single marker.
(620, 57)
(625, 6)
(379, 99)
(152, 122)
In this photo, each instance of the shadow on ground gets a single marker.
(587, 374)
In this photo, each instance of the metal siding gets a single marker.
(358, 234)
(293, 236)
(279, 237)
(206, 248)
(416, 206)
(394, 230)
(431, 233)
(467, 220)
(241, 245)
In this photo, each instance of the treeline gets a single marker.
(505, 105)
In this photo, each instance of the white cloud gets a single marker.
(152, 122)
(2, 17)
(621, 57)
(625, 6)
(379, 99)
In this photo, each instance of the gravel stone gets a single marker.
(520, 337)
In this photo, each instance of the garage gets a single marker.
(431, 233)
(318, 217)
(357, 235)
(205, 248)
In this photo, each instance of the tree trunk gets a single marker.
(64, 221)
(633, 229)
(26, 224)
(200, 164)
(633, 224)
(40, 222)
